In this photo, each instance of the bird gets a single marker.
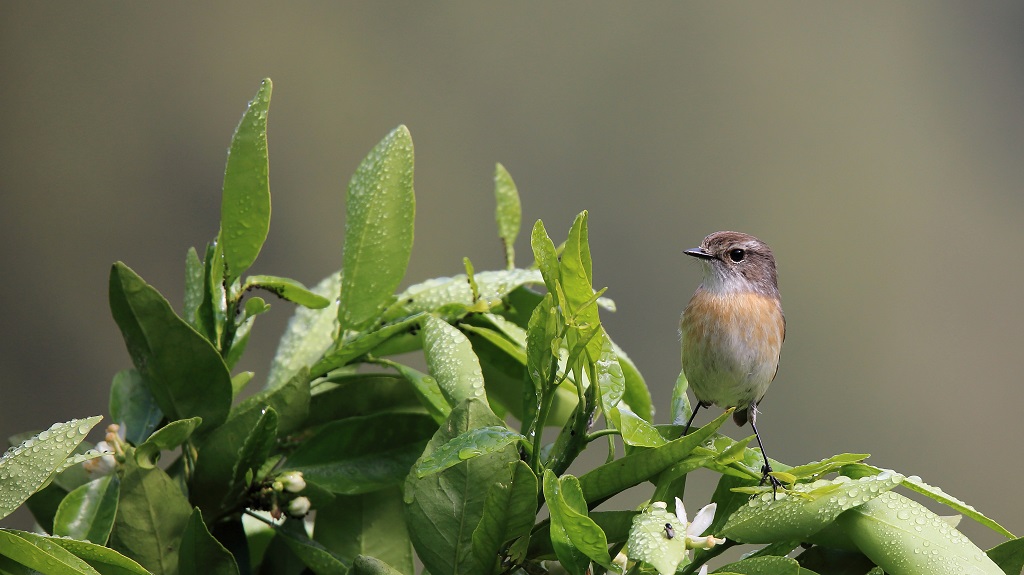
(732, 330)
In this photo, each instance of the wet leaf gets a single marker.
(611, 478)
(310, 333)
(903, 537)
(26, 468)
(456, 293)
(508, 212)
(451, 361)
(41, 554)
(380, 207)
(363, 344)
(444, 509)
(804, 509)
(650, 541)
(245, 204)
(472, 443)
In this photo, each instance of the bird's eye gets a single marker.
(737, 255)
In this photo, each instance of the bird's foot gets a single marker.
(766, 475)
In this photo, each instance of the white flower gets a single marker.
(103, 465)
(292, 481)
(298, 507)
(700, 523)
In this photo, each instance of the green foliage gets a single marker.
(403, 465)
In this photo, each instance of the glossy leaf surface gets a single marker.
(444, 509)
(88, 512)
(185, 372)
(379, 211)
(27, 467)
(363, 454)
(245, 203)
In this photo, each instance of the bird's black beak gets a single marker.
(700, 253)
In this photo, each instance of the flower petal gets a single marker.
(681, 511)
(703, 520)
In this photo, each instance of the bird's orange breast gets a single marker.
(731, 344)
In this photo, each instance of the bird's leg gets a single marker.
(696, 408)
(767, 469)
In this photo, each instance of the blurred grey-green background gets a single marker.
(877, 147)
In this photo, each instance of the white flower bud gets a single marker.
(298, 507)
(292, 481)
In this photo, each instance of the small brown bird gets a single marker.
(732, 329)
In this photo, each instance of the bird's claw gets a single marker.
(766, 475)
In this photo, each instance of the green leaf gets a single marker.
(366, 565)
(370, 524)
(455, 293)
(380, 207)
(290, 401)
(636, 394)
(444, 509)
(451, 361)
(167, 438)
(903, 537)
(151, 515)
(545, 256)
(804, 509)
(765, 566)
(610, 380)
(635, 431)
(227, 455)
(88, 512)
(835, 561)
(1008, 555)
(914, 483)
(312, 554)
(105, 560)
(576, 538)
(185, 373)
(255, 306)
(611, 478)
(576, 271)
(194, 287)
(498, 340)
(650, 541)
(310, 333)
(245, 204)
(356, 394)
(472, 443)
(287, 289)
(816, 469)
(363, 454)
(212, 312)
(509, 513)
(363, 344)
(680, 405)
(41, 554)
(201, 553)
(28, 467)
(426, 388)
(133, 406)
(508, 212)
